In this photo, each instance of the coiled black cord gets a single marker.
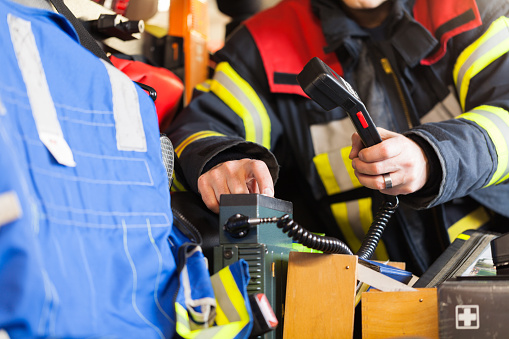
(238, 226)
(311, 240)
(380, 221)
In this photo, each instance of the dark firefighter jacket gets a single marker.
(435, 70)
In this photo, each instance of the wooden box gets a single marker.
(400, 314)
(320, 296)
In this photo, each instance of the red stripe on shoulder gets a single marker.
(288, 35)
(437, 16)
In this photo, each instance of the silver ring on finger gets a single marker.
(387, 180)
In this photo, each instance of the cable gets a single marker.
(311, 240)
(380, 221)
(238, 227)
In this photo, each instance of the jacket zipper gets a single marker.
(386, 65)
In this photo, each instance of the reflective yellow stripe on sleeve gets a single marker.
(177, 186)
(193, 137)
(471, 221)
(237, 94)
(204, 86)
(490, 46)
(495, 121)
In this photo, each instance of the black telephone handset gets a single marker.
(330, 90)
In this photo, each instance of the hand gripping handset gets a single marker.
(330, 90)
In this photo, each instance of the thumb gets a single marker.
(357, 145)
(386, 134)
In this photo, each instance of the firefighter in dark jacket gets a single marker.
(433, 74)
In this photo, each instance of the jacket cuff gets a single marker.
(423, 197)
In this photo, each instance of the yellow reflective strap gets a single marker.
(221, 318)
(221, 332)
(237, 94)
(229, 330)
(476, 57)
(326, 174)
(471, 221)
(345, 152)
(234, 295)
(498, 138)
(196, 136)
(229, 295)
(224, 286)
(223, 300)
(204, 86)
(215, 332)
(182, 326)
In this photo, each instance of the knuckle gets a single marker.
(258, 164)
(202, 180)
(237, 189)
(377, 168)
(211, 176)
(355, 163)
(228, 166)
(384, 150)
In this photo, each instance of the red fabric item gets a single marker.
(434, 13)
(288, 36)
(300, 35)
(168, 86)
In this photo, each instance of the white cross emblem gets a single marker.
(467, 317)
